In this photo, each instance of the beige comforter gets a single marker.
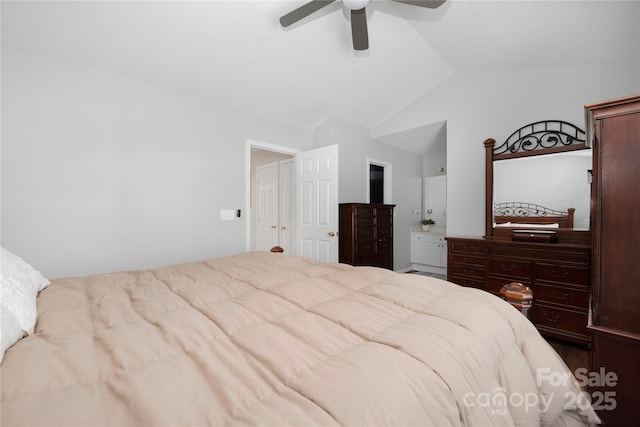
(275, 340)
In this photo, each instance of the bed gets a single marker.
(522, 221)
(263, 338)
(531, 215)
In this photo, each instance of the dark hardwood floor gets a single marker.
(574, 356)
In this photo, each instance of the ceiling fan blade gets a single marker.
(359, 32)
(303, 11)
(431, 4)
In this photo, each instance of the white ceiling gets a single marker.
(235, 53)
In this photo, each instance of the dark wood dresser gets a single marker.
(557, 273)
(615, 133)
(366, 234)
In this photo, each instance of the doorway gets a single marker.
(378, 181)
(314, 195)
(271, 198)
(376, 184)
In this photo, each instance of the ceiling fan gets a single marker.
(359, 31)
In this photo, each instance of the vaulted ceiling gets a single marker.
(235, 53)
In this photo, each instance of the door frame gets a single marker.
(250, 143)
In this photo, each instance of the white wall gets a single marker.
(435, 156)
(492, 103)
(101, 172)
(355, 146)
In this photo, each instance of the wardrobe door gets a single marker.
(616, 254)
(617, 216)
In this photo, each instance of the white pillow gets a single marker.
(525, 225)
(18, 290)
(10, 330)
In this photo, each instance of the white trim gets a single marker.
(388, 179)
(247, 189)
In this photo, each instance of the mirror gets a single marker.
(558, 181)
(546, 165)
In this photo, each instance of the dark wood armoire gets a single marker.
(366, 234)
(615, 317)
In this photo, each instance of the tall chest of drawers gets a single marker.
(559, 275)
(366, 234)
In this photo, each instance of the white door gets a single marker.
(287, 211)
(317, 204)
(267, 201)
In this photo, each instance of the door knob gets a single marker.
(273, 226)
(284, 227)
(332, 233)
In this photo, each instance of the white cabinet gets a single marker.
(429, 252)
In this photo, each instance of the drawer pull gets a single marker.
(508, 269)
(551, 319)
(560, 297)
(562, 275)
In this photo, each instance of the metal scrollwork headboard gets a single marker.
(523, 209)
(545, 135)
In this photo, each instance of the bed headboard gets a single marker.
(517, 213)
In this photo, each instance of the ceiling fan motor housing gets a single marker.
(355, 4)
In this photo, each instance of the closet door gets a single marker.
(287, 206)
(267, 190)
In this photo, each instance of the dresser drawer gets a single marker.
(562, 319)
(365, 247)
(384, 232)
(471, 248)
(364, 233)
(576, 298)
(384, 246)
(468, 271)
(383, 217)
(494, 284)
(539, 254)
(510, 268)
(562, 274)
(468, 260)
(364, 221)
(467, 281)
(364, 211)
(427, 237)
